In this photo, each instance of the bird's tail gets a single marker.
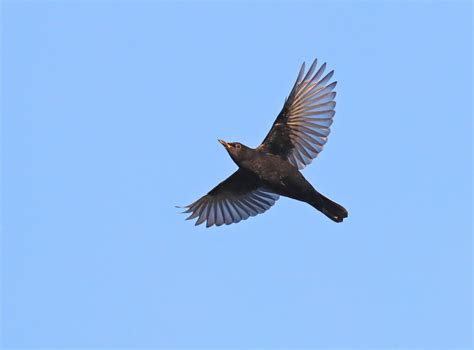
(329, 208)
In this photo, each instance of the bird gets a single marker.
(272, 169)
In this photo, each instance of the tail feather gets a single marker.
(329, 208)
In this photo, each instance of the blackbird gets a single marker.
(272, 169)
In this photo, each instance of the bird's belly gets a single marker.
(288, 184)
(279, 176)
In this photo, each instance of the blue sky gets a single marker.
(110, 117)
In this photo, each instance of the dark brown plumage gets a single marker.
(297, 136)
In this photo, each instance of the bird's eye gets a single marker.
(237, 145)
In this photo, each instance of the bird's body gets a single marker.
(273, 168)
(277, 175)
(280, 177)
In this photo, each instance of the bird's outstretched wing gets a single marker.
(234, 199)
(303, 125)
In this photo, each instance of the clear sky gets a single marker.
(110, 117)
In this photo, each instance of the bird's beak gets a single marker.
(223, 143)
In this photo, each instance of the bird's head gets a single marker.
(237, 151)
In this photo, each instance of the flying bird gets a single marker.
(297, 136)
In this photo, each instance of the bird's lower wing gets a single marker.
(236, 198)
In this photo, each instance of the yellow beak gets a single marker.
(223, 143)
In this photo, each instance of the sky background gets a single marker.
(110, 114)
